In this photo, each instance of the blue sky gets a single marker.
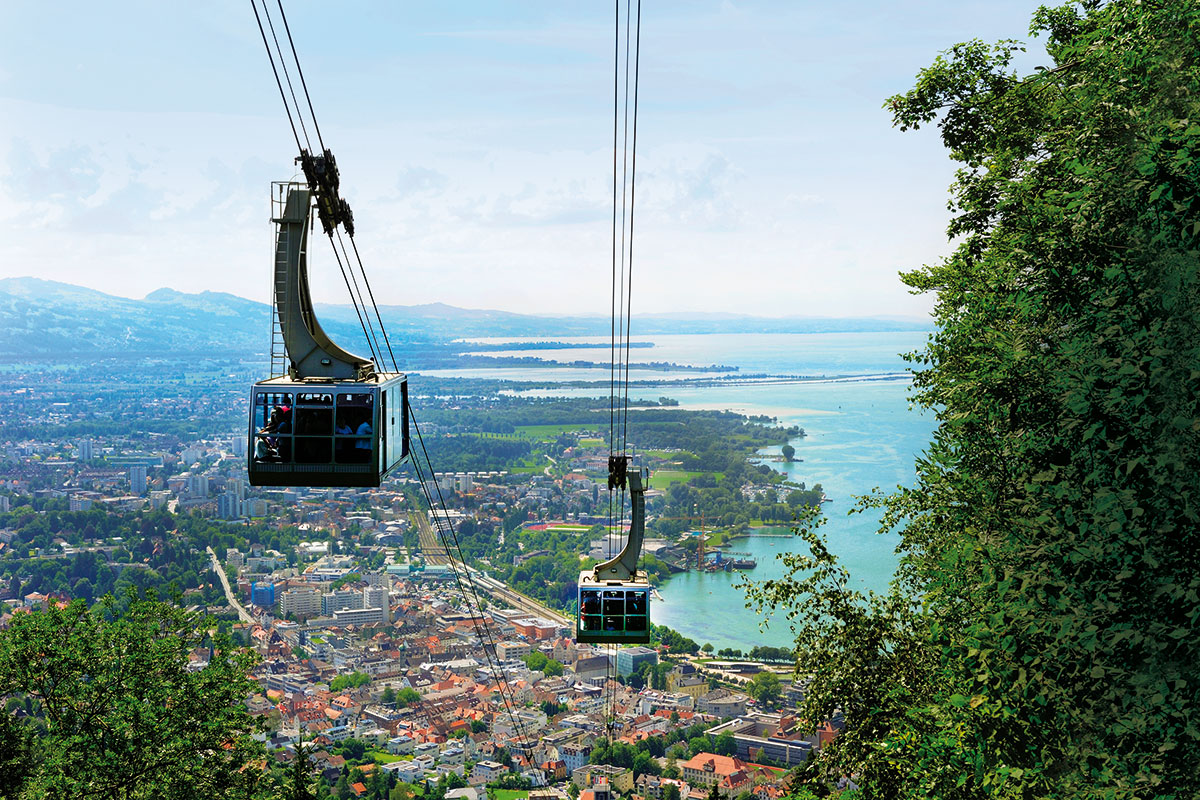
(138, 141)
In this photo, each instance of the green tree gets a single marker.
(789, 453)
(351, 680)
(725, 744)
(16, 754)
(764, 688)
(401, 791)
(1040, 637)
(124, 716)
(299, 785)
(671, 792)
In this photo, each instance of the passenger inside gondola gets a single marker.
(273, 448)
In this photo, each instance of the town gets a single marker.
(389, 654)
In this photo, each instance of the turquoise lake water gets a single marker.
(861, 434)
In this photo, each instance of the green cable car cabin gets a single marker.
(614, 598)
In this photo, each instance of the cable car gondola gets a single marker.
(331, 419)
(614, 598)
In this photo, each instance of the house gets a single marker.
(589, 775)
(400, 745)
(729, 774)
(488, 771)
(405, 771)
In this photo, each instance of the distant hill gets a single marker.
(48, 319)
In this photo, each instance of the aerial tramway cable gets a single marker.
(483, 630)
(296, 114)
(624, 177)
(346, 266)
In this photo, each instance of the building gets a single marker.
(254, 507)
(535, 629)
(728, 773)
(630, 658)
(237, 486)
(376, 596)
(197, 485)
(262, 594)
(237, 446)
(590, 775)
(300, 602)
(488, 771)
(781, 739)
(692, 685)
(359, 616)
(234, 557)
(137, 478)
(722, 703)
(228, 506)
(575, 755)
(511, 649)
(332, 602)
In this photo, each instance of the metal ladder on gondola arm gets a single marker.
(279, 292)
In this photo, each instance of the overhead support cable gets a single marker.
(357, 298)
(278, 82)
(626, 62)
(359, 312)
(386, 341)
(300, 72)
(321, 174)
(483, 630)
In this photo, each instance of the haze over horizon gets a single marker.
(475, 149)
(7, 282)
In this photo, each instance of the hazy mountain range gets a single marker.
(47, 319)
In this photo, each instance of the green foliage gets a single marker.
(724, 744)
(511, 781)
(349, 577)
(407, 696)
(300, 776)
(764, 688)
(540, 661)
(1042, 634)
(351, 680)
(119, 714)
(402, 791)
(675, 641)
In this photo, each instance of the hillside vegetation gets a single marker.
(1042, 637)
